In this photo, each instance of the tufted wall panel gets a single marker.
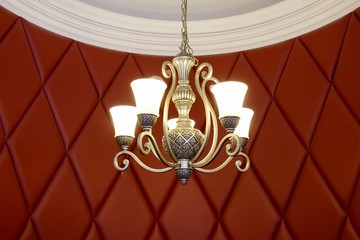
(57, 180)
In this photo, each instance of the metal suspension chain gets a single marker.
(185, 47)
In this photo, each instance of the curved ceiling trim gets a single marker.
(92, 25)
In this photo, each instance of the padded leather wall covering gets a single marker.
(57, 179)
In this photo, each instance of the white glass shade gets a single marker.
(124, 120)
(148, 93)
(229, 97)
(242, 130)
(171, 123)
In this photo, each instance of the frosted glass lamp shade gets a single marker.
(229, 97)
(148, 93)
(171, 123)
(242, 130)
(124, 120)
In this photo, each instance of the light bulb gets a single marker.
(124, 120)
(242, 130)
(229, 97)
(148, 94)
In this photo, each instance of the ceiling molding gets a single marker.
(96, 26)
(170, 9)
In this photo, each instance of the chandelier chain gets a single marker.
(185, 47)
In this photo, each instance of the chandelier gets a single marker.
(183, 144)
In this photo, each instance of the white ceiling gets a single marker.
(153, 26)
(171, 9)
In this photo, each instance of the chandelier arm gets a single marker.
(209, 110)
(125, 161)
(238, 162)
(215, 169)
(151, 145)
(170, 74)
(143, 165)
(230, 150)
(157, 77)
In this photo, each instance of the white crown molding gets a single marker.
(95, 26)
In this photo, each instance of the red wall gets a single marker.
(57, 179)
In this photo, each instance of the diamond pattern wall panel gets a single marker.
(63, 184)
(12, 204)
(277, 175)
(307, 210)
(35, 176)
(57, 179)
(249, 202)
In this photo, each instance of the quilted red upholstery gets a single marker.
(57, 179)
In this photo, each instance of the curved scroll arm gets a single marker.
(209, 111)
(157, 77)
(229, 150)
(152, 145)
(215, 169)
(238, 162)
(126, 163)
(170, 73)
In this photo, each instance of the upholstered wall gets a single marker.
(57, 179)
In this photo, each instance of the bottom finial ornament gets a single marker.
(183, 174)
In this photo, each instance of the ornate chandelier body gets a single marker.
(183, 143)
